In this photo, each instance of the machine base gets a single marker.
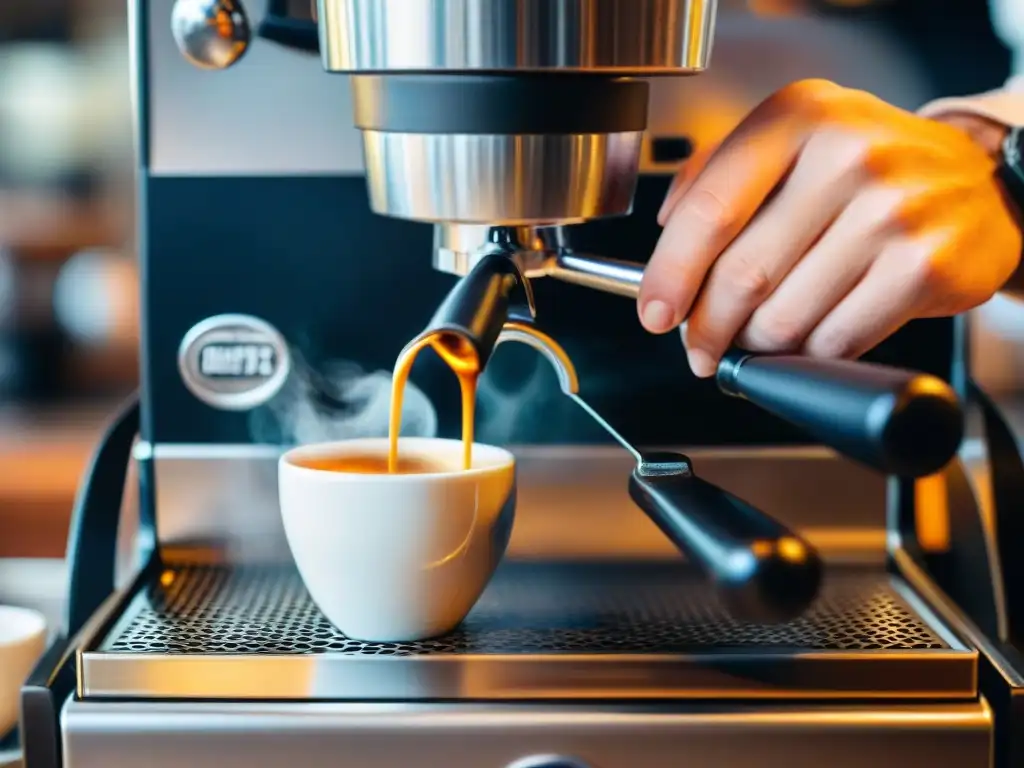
(583, 631)
(261, 735)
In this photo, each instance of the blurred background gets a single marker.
(68, 296)
(68, 277)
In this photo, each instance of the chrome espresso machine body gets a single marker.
(287, 221)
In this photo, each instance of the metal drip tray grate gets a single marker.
(538, 609)
(540, 630)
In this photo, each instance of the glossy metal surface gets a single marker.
(949, 612)
(621, 278)
(541, 631)
(550, 349)
(459, 247)
(538, 251)
(489, 179)
(211, 34)
(568, 381)
(585, 677)
(223, 498)
(600, 273)
(265, 735)
(277, 113)
(621, 36)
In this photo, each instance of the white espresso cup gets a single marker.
(22, 641)
(397, 557)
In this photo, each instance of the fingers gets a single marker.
(714, 208)
(681, 182)
(769, 252)
(829, 271)
(790, 239)
(891, 294)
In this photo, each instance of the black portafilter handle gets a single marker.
(896, 421)
(477, 307)
(764, 572)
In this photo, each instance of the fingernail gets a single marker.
(657, 316)
(700, 363)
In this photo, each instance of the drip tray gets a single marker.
(540, 631)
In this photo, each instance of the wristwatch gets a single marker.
(1011, 167)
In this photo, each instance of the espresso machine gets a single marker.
(314, 181)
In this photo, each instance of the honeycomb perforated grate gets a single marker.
(526, 609)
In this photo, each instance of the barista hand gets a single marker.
(826, 221)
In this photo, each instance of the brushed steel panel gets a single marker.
(609, 36)
(211, 735)
(277, 112)
(224, 497)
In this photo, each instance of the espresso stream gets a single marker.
(461, 357)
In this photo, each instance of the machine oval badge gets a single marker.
(234, 362)
(547, 761)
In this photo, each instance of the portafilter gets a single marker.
(896, 421)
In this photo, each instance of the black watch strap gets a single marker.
(1011, 169)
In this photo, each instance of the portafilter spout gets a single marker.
(473, 313)
(764, 571)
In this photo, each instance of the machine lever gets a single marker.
(896, 421)
(763, 571)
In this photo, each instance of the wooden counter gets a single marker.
(50, 222)
(43, 454)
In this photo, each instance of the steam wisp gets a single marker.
(297, 415)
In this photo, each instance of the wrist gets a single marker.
(986, 133)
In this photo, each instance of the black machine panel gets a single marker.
(308, 256)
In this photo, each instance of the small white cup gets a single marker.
(397, 558)
(22, 641)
